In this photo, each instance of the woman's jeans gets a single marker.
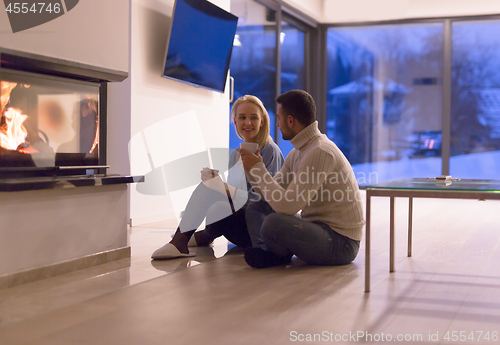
(284, 235)
(220, 220)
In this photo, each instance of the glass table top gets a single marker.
(435, 184)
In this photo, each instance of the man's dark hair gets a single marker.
(299, 104)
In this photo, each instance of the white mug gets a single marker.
(210, 172)
(252, 147)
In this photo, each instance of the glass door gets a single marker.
(293, 62)
(253, 61)
(475, 100)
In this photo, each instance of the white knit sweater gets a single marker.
(317, 179)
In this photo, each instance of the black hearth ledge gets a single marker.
(37, 183)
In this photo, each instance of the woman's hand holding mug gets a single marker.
(207, 174)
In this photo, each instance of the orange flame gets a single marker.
(13, 133)
(5, 90)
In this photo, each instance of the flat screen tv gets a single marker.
(200, 44)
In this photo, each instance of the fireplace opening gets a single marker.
(48, 121)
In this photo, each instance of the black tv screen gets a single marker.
(200, 44)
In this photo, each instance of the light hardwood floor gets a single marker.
(451, 284)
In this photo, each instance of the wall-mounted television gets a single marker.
(200, 44)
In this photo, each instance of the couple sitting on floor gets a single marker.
(308, 206)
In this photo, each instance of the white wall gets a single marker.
(94, 33)
(154, 99)
(313, 8)
(63, 224)
(339, 11)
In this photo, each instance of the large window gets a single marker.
(475, 100)
(384, 92)
(416, 99)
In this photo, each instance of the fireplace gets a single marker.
(52, 116)
(60, 209)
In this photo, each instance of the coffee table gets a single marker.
(421, 188)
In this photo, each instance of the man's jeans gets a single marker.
(315, 243)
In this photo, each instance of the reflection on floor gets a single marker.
(451, 284)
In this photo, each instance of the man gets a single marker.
(317, 180)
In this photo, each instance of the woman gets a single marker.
(223, 204)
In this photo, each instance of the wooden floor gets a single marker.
(451, 286)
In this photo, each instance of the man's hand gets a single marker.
(249, 159)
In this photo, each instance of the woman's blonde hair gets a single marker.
(263, 135)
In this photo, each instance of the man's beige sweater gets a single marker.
(317, 179)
